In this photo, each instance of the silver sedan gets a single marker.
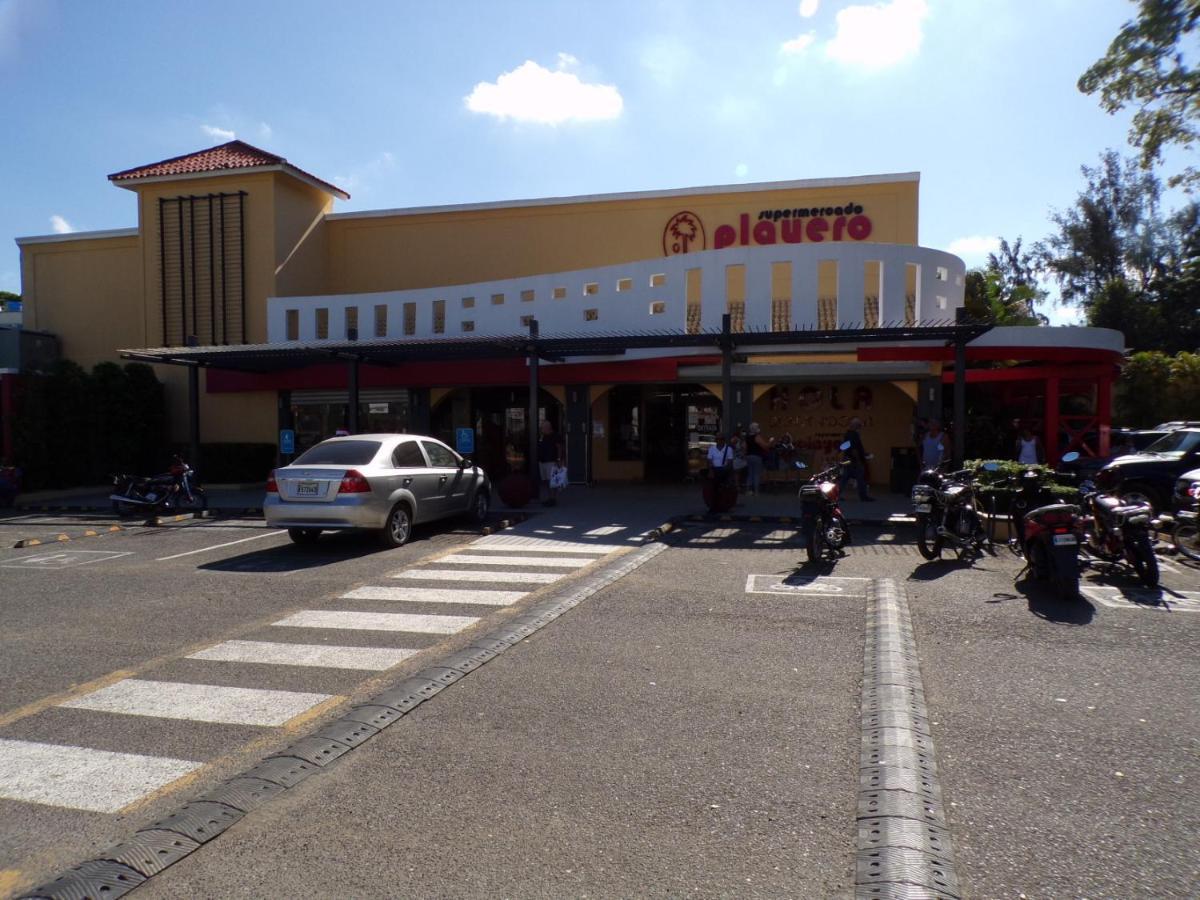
(382, 482)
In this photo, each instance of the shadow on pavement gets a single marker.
(1045, 604)
(934, 569)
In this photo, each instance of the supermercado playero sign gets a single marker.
(685, 232)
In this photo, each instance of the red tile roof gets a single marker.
(233, 155)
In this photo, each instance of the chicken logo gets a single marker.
(683, 234)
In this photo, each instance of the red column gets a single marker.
(1104, 388)
(1050, 437)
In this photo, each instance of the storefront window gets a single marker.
(625, 423)
(316, 421)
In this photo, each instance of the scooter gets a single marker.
(824, 526)
(1047, 536)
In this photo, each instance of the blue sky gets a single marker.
(407, 104)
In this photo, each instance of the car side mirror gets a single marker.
(464, 462)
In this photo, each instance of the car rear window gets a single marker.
(339, 453)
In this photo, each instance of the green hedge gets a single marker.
(1055, 487)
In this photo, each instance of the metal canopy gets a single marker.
(389, 351)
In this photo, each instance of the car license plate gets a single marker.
(1064, 540)
(923, 507)
(307, 489)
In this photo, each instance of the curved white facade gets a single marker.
(655, 295)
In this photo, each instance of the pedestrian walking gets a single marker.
(932, 446)
(857, 469)
(757, 448)
(550, 459)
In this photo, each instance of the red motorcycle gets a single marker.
(1049, 535)
(825, 529)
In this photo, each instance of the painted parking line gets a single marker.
(364, 621)
(436, 595)
(476, 575)
(254, 537)
(61, 559)
(198, 702)
(317, 655)
(794, 585)
(81, 778)
(556, 562)
(1160, 599)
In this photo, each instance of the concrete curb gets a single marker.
(904, 845)
(160, 844)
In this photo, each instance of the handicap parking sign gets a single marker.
(287, 440)
(464, 440)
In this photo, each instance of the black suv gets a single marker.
(1151, 474)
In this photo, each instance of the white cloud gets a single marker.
(808, 8)
(223, 134)
(61, 225)
(974, 249)
(264, 131)
(741, 170)
(531, 93)
(798, 44)
(878, 36)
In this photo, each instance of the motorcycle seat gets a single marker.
(1070, 508)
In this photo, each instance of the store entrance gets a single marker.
(681, 424)
(499, 418)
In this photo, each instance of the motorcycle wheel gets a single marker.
(124, 510)
(812, 546)
(1187, 539)
(198, 502)
(1145, 563)
(929, 542)
(1039, 564)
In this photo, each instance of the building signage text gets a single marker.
(685, 233)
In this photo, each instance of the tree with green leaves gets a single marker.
(1151, 66)
(1006, 291)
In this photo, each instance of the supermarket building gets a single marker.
(639, 323)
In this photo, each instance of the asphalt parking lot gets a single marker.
(689, 729)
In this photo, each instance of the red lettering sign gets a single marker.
(684, 233)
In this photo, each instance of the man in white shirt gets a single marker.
(720, 460)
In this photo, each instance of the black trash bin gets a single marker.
(905, 469)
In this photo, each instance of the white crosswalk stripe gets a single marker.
(475, 575)
(82, 778)
(436, 595)
(368, 621)
(198, 702)
(543, 545)
(556, 562)
(318, 655)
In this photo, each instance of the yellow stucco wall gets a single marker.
(398, 252)
(88, 292)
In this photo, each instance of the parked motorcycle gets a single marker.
(824, 526)
(1117, 532)
(176, 489)
(944, 503)
(1046, 535)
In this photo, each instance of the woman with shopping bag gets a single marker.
(550, 464)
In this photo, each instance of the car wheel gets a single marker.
(480, 507)
(304, 535)
(398, 528)
(1136, 492)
